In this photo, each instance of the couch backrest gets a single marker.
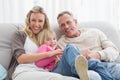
(6, 32)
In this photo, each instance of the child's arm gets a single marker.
(45, 61)
(58, 57)
(51, 56)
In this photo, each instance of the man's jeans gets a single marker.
(97, 66)
(114, 69)
(66, 65)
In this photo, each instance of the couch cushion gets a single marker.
(6, 32)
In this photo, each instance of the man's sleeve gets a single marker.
(110, 51)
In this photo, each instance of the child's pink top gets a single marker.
(46, 63)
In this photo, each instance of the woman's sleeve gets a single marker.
(17, 47)
(18, 41)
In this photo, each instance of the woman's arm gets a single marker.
(28, 58)
(19, 52)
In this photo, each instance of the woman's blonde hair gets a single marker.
(45, 34)
(27, 30)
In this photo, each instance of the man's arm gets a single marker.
(109, 51)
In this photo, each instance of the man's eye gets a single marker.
(68, 22)
(62, 25)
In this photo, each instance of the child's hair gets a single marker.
(45, 34)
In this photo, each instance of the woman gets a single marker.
(24, 46)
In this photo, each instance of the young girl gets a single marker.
(48, 43)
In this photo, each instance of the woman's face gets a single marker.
(37, 21)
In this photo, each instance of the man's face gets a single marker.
(68, 25)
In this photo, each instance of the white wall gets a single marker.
(14, 11)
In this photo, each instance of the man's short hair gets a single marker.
(64, 12)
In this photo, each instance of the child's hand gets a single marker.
(55, 46)
(56, 52)
(57, 59)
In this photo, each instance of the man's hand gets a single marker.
(94, 55)
(88, 54)
(85, 53)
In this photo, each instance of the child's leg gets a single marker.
(96, 65)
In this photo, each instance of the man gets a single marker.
(91, 42)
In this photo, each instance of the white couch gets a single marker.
(7, 30)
